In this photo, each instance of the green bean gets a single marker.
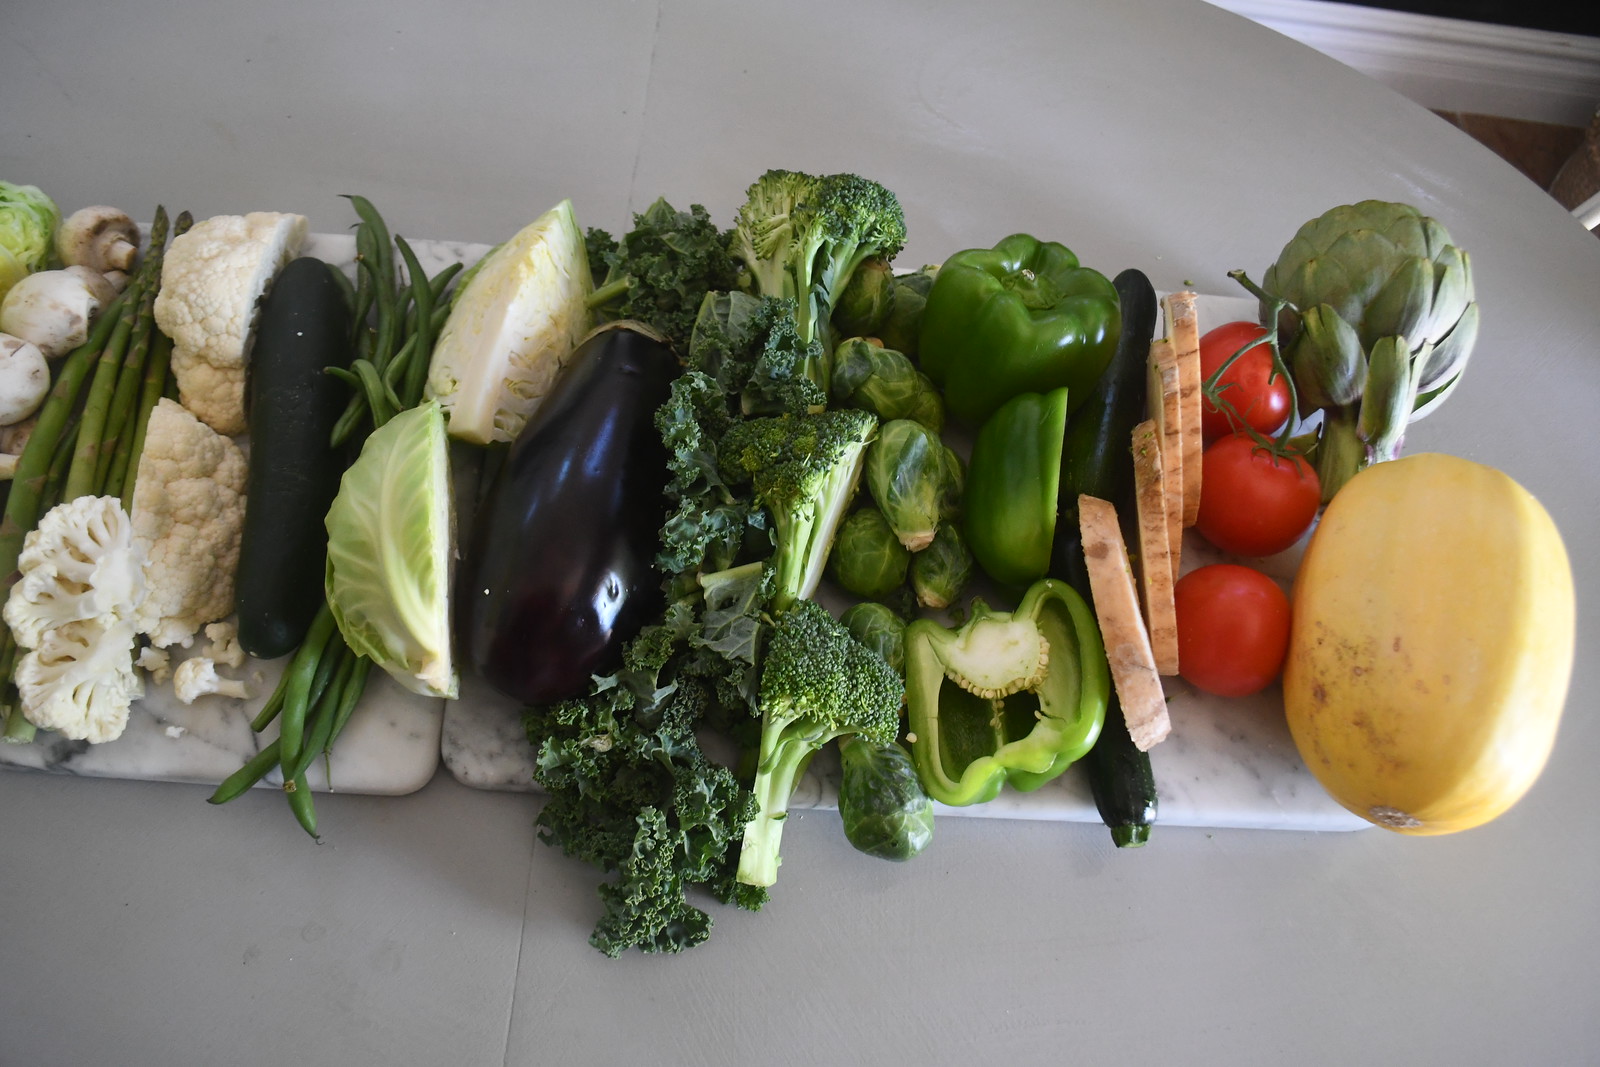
(324, 712)
(347, 288)
(300, 802)
(422, 293)
(248, 775)
(292, 720)
(273, 706)
(354, 686)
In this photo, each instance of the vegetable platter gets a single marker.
(1229, 762)
(390, 747)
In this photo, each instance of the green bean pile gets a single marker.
(89, 432)
(395, 322)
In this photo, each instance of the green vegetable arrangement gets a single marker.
(761, 475)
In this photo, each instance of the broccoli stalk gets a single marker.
(804, 471)
(817, 683)
(801, 238)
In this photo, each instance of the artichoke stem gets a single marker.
(1341, 452)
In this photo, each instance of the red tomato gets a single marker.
(1233, 629)
(1260, 400)
(1253, 503)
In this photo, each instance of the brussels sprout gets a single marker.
(867, 299)
(883, 806)
(880, 629)
(884, 382)
(901, 330)
(941, 571)
(915, 480)
(868, 560)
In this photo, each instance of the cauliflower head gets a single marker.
(212, 282)
(188, 514)
(80, 681)
(80, 563)
(81, 578)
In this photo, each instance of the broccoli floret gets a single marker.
(817, 683)
(804, 470)
(661, 270)
(801, 237)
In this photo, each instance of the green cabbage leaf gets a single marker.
(390, 542)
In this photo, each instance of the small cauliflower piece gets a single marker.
(197, 677)
(212, 282)
(188, 513)
(225, 647)
(156, 662)
(82, 562)
(80, 681)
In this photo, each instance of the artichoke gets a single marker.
(1381, 320)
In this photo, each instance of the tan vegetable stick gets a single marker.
(1116, 607)
(1168, 417)
(1155, 551)
(1183, 329)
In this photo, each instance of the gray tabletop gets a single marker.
(138, 925)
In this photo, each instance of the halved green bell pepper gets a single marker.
(1021, 317)
(1013, 482)
(1009, 698)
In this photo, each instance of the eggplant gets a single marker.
(558, 570)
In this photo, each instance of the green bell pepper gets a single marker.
(1013, 482)
(1010, 697)
(1021, 317)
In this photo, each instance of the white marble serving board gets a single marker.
(1227, 763)
(390, 746)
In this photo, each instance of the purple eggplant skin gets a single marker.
(558, 571)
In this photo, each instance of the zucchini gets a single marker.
(1097, 459)
(293, 403)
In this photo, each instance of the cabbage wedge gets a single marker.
(512, 328)
(391, 539)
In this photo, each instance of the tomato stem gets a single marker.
(1283, 445)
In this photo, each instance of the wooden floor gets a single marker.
(1538, 149)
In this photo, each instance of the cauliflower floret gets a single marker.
(212, 282)
(81, 562)
(156, 662)
(80, 681)
(225, 646)
(197, 676)
(188, 512)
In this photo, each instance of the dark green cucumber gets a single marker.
(1097, 459)
(303, 329)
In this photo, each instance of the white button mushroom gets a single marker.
(100, 238)
(55, 308)
(24, 379)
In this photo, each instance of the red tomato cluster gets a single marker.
(1233, 621)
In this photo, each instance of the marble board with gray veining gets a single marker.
(390, 747)
(1227, 763)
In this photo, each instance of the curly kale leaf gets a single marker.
(659, 272)
(632, 792)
